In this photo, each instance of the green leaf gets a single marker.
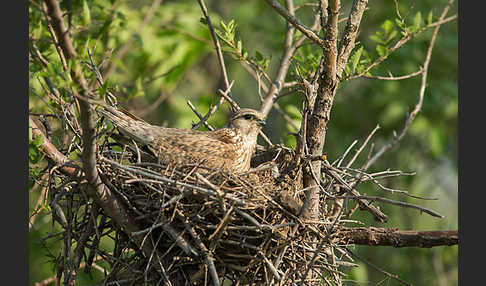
(223, 25)
(261, 60)
(102, 89)
(239, 46)
(387, 26)
(399, 23)
(376, 38)
(203, 20)
(381, 50)
(38, 140)
(392, 35)
(231, 25)
(86, 19)
(430, 17)
(417, 22)
(244, 53)
(258, 56)
(51, 68)
(30, 133)
(355, 59)
(33, 154)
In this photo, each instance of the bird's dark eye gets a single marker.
(248, 116)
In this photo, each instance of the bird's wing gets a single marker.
(224, 135)
(183, 146)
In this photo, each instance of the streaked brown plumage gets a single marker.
(227, 148)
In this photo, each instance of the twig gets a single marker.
(362, 146)
(397, 203)
(219, 54)
(377, 268)
(294, 21)
(36, 53)
(391, 77)
(208, 256)
(404, 40)
(289, 49)
(170, 181)
(51, 279)
(369, 177)
(51, 21)
(341, 158)
(193, 108)
(218, 232)
(272, 268)
(377, 213)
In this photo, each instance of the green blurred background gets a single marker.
(171, 60)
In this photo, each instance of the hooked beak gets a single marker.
(261, 122)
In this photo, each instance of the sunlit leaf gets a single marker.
(86, 19)
(430, 17)
(387, 26)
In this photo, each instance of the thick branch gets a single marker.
(66, 165)
(350, 32)
(316, 128)
(289, 50)
(373, 236)
(55, 13)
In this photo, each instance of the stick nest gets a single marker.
(207, 224)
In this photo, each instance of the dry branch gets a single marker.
(373, 236)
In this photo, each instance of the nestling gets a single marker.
(226, 148)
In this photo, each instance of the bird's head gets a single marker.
(248, 121)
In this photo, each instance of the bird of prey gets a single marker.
(228, 148)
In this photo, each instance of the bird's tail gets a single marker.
(129, 124)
